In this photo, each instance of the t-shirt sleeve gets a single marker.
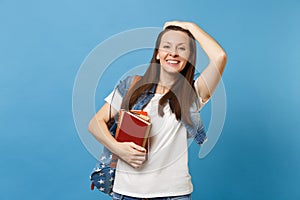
(201, 103)
(114, 99)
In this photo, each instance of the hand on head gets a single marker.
(184, 25)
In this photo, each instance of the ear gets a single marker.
(157, 57)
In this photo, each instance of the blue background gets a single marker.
(43, 43)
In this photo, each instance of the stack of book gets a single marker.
(134, 126)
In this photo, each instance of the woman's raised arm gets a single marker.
(211, 75)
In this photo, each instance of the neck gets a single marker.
(166, 79)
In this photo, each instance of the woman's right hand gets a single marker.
(131, 153)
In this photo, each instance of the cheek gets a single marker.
(162, 54)
(186, 56)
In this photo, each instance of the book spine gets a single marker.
(119, 122)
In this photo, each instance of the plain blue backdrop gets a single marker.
(43, 43)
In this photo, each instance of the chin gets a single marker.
(172, 69)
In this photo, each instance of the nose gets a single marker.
(173, 52)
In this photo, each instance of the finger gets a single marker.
(136, 164)
(172, 24)
(137, 147)
(138, 154)
(176, 23)
(139, 158)
(167, 24)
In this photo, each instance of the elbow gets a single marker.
(220, 61)
(91, 125)
(222, 57)
(94, 125)
(206, 98)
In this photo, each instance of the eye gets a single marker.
(182, 48)
(166, 46)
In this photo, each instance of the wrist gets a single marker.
(115, 147)
(191, 26)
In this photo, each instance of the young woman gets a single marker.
(173, 99)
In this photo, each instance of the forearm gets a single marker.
(131, 153)
(99, 130)
(213, 50)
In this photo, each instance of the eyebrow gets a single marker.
(177, 44)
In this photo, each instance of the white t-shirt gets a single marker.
(165, 173)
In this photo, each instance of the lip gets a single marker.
(173, 62)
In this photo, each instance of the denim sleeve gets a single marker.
(124, 85)
(196, 75)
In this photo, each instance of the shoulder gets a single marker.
(125, 83)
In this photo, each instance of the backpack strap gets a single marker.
(114, 160)
(135, 79)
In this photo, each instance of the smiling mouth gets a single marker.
(173, 62)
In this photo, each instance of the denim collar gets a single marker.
(152, 90)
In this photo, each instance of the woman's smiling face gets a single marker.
(174, 51)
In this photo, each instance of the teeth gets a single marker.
(173, 61)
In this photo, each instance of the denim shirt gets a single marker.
(196, 130)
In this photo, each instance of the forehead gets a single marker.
(175, 37)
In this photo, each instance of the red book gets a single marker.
(133, 127)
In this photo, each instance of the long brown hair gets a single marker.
(184, 89)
